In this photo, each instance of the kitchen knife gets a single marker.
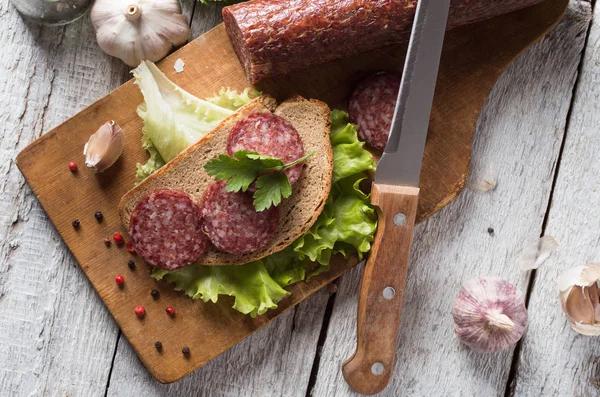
(395, 193)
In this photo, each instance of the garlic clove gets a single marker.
(489, 314)
(104, 147)
(580, 298)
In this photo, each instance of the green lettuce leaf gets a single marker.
(255, 291)
(174, 119)
(154, 162)
(231, 99)
(346, 226)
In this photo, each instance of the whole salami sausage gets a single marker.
(231, 222)
(372, 106)
(274, 37)
(269, 135)
(166, 229)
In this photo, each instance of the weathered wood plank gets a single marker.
(55, 335)
(276, 361)
(556, 361)
(517, 142)
(260, 365)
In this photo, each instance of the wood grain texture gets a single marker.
(556, 361)
(56, 336)
(517, 144)
(473, 58)
(381, 290)
(261, 364)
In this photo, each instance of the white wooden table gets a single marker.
(539, 137)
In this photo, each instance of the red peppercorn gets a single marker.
(119, 280)
(170, 310)
(73, 166)
(140, 311)
(130, 247)
(118, 237)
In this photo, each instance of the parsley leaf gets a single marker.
(270, 188)
(245, 167)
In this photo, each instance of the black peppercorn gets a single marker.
(98, 215)
(76, 223)
(158, 345)
(131, 265)
(155, 293)
(185, 351)
(490, 230)
(107, 242)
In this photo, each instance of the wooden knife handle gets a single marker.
(370, 368)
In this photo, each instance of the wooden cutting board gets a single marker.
(473, 59)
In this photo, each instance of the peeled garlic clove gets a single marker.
(580, 298)
(489, 314)
(104, 147)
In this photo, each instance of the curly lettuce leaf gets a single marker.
(254, 290)
(154, 162)
(231, 99)
(173, 118)
(346, 226)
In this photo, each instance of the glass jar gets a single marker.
(52, 12)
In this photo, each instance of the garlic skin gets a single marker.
(580, 298)
(138, 30)
(489, 314)
(104, 148)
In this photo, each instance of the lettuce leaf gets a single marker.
(231, 99)
(154, 162)
(174, 119)
(346, 226)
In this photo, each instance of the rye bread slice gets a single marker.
(297, 213)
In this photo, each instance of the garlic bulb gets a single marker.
(137, 30)
(580, 298)
(489, 314)
(104, 148)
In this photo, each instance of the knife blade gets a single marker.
(395, 194)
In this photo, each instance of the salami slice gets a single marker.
(231, 222)
(166, 229)
(372, 107)
(269, 135)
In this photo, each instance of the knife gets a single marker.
(395, 193)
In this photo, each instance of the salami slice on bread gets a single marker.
(297, 214)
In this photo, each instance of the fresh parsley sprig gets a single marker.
(272, 184)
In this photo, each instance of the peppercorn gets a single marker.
(119, 280)
(158, 345)
(490, 230)
(98, 215)
(140, 311)
(186, 351)
(73, 166)
(130, 247)
(331, 288)
(107, 242)
(118, 237)
(170, 310)
(155, 293)
(75, 223)
(131, 264)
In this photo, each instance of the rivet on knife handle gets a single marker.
(369, 369)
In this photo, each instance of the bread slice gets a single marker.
(297, 213)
